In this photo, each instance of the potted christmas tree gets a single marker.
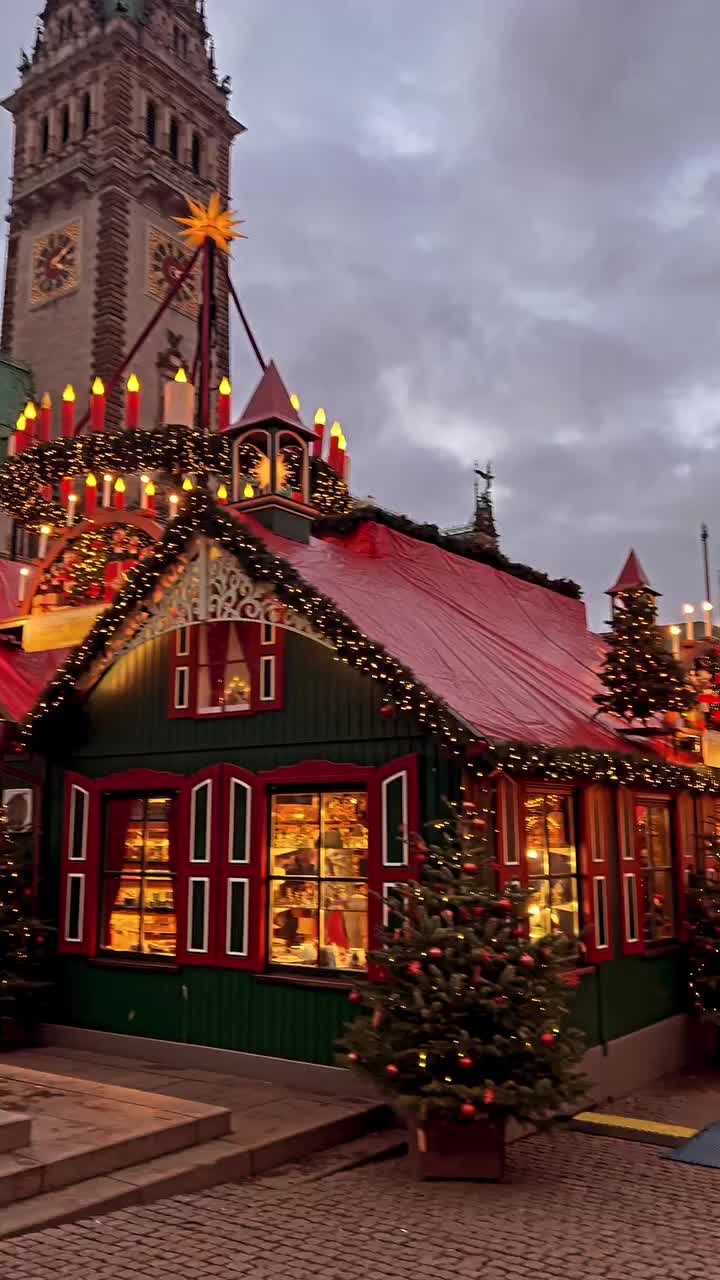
(25, 950)
(464, 1020)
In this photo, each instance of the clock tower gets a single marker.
(119, 115)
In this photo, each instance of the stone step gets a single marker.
(14, 1131)
(227, 1159)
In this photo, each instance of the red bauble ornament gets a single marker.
(352, 1057)
(415, 968)
(470, 868)
(435, 953)
(478, 911)
(468, 1110)
(447, 915)
(501, 1001)
(387, 712)
(477, 824)
(354, 997)
(517, 933)
(548, 1038)
(504, 904)
(466, 1063)
(527, 962)
(488, 1097)
(421, 858)
(40, 938)
(392, 1070)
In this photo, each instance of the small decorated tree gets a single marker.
(465, 1018)
(704, 933)
(640, 678)
(25, 948)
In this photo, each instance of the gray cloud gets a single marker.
(491, 229)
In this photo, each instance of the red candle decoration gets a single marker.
(149, 496)
(30, 414)
(319, 445)
(90, 496)
(334, 455)
(98, 405)
(65, 490)
(132, 403)
(342, 456)
(68, 412)
(20, 434)
(224, 404)
(119, 494)
(222, 494)
(45, 433)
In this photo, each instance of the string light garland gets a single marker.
(521, 759)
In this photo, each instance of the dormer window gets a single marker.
(226, 669)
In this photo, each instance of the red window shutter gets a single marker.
(394, 816)
(80, 868)
(242, 872)
(198, 868)
(630, 877)
(595, 870)
(708, 829)
(686, 854)
(511, 859)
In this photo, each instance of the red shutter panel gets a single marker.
(242, 877)
(595, 872)
(198, 867)
(511, 859)
(686, 852)
(630, 876)
(80, 867)
(708, 830)
(394, 816)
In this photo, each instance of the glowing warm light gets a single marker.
(225, 388)
(133, 383)
(222, 493)
(30, 411)
(46, 402)
(69, 394)
(342, 443)
(211, 223)
(173, 499)
(181, 376)
(688, 608)
(45, 530)
(119, 485)
(24, 572)
(144, 479)
(21, 424)
(336, 431)
(534, 911)
(187, 485)
(150, 490)
(248, 491)
(98, 387)
(91, 482)
(533, 853)
(707, 607)
(675, 631)
(320, 418)
(295, 402)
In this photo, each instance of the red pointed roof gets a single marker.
(269, 401)
(632, 576)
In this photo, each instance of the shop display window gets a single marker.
(552, 865)
(226, 668)
(654, 846)
(318, 879)
(138, 915)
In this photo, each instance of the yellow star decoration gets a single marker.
(214, 223)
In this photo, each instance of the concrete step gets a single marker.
(227, 1159)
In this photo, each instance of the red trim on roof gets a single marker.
(270, 401)
(632, 576)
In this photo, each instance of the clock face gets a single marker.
(56, 264)
(166, 260)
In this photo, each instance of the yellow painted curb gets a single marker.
(596, 1120)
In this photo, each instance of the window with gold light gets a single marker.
(552, 864)
(137, 913)
(318, 879)
(654, 845)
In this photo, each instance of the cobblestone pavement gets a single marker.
(577, 1206)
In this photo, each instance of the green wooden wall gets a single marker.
(331, 712)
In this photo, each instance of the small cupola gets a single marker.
(271, 460)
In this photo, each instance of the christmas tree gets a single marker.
(25, 950)
(641, 678)
(467, 1016)
(704, 933)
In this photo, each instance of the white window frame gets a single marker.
(387, 782)
(182, 642)
(630, 887)
(600, 888)
(185, 705)
(81, 908)
(203, 950)
(267, 634)
(201, 862)
(74, 790)
(267, 662)
(239, 862)
(246, 917)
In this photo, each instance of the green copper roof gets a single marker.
(15, 391)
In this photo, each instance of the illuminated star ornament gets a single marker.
(214, 223)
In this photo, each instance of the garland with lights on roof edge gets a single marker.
(573, 764)
(343, 526)
(175, 450)
(200, 514)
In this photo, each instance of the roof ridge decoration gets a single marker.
(632, 577)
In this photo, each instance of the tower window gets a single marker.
(45, 135)
(66, 125)
(87, 113)
(196, 153)
(174, 138)
(151, 124)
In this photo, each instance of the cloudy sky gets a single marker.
(491, 229)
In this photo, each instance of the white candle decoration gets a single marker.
(675, 638)
(43, 544)
(107, 489)
(72, 509)
(24, 574)
(179, 404)
(688, 610)
(707, 618)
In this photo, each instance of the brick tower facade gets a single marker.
(119, 115)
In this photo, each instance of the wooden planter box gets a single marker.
(460, 1149)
